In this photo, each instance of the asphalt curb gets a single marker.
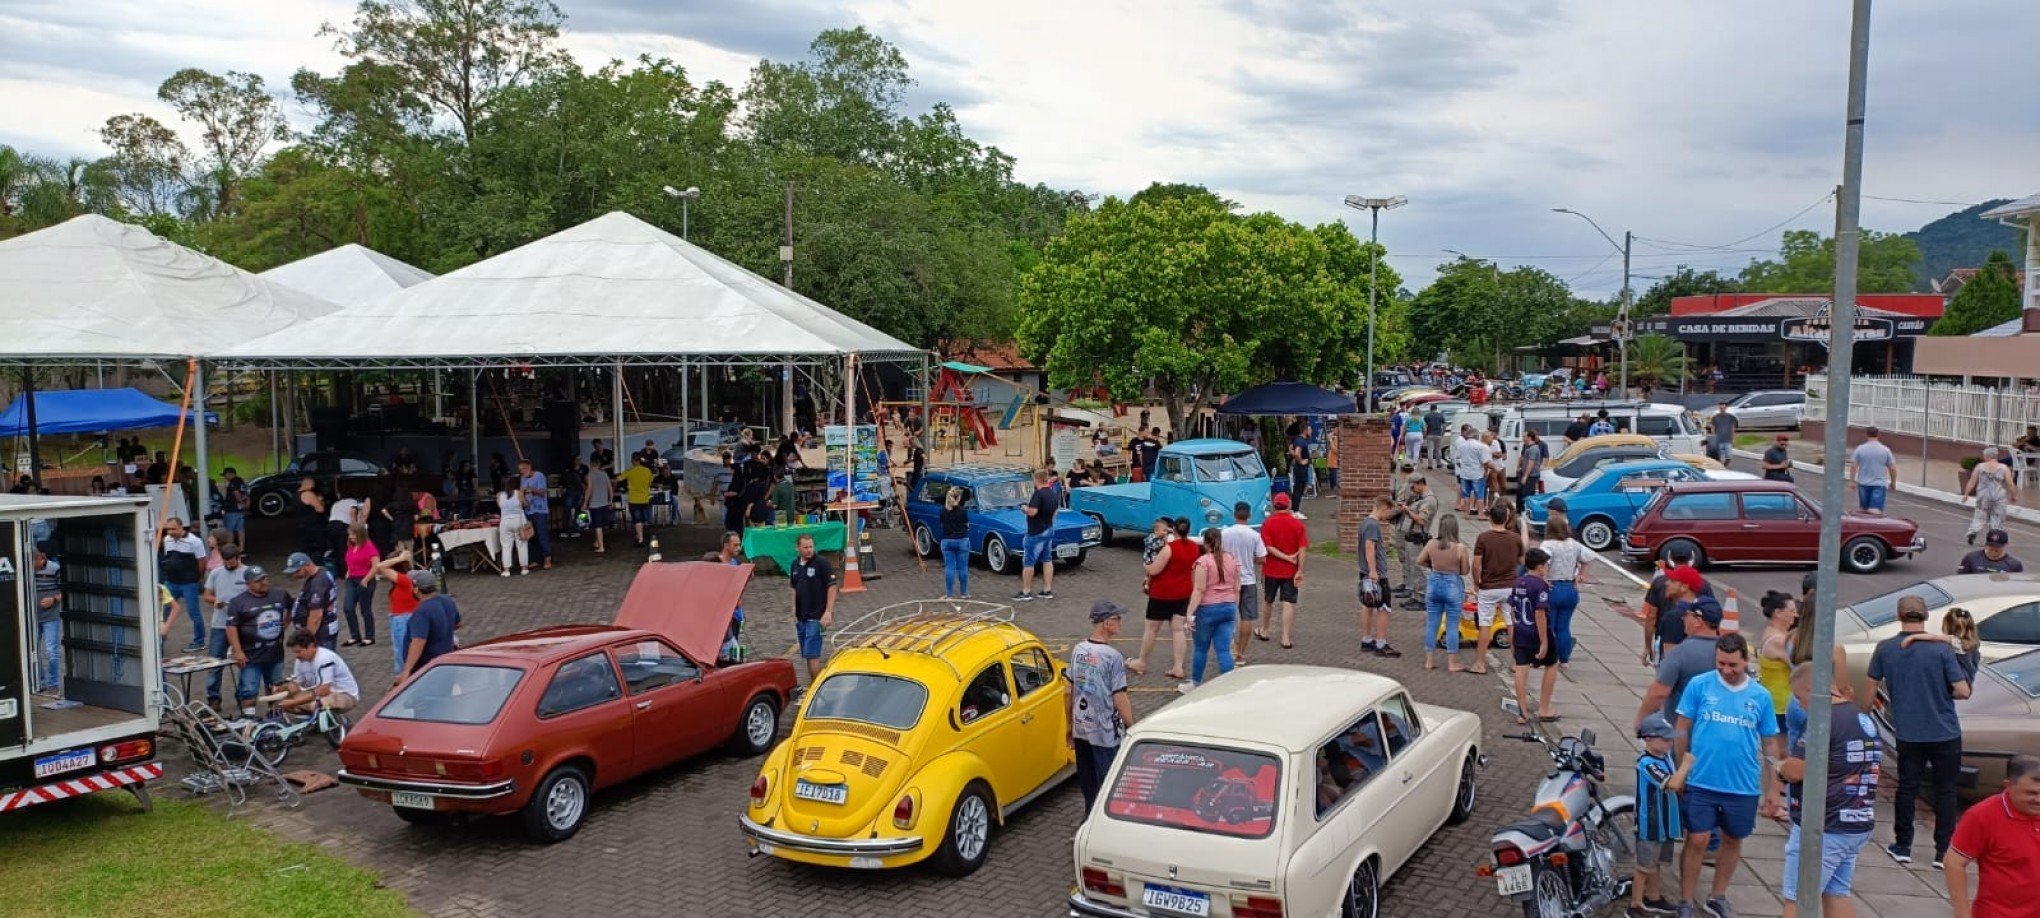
(2018, 512)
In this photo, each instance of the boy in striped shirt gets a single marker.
(1659, 827)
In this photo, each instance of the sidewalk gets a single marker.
(1942, 480)
(1601, 690)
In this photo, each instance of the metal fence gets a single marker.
(1983, 415)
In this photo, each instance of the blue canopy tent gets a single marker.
(89, 411)
(1287, 397)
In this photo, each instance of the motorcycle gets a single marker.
(1575, 852)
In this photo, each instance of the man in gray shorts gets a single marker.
(1243, 542)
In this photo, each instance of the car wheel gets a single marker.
(997, 557)
(756, 729)
(1363, 894)
(1597, 533)
(1104, 529)
(271, 504)
(1863, 555)
(1501, 639)
(924, 542)
(1467, 794)
(1074, 562)
(1681, 547)
(558, 806)
(970, 834)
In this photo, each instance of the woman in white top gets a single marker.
(510, 526)
(1569, 561)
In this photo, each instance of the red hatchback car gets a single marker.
(1759, 522)
(532, 723)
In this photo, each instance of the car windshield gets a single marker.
(1883, 610)
(888, 701)
(455, 694)
(1230, 467)
(994, 495)
(2022, 671)
(1199, 788)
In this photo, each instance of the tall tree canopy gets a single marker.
(1180, 294)
(1476, 313)
(1990, 298)
(1657, 301)
(1806, 264)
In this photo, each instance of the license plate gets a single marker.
(68, 760)
(412, 800)
(1067, 551)
(1511, 881)
(826, 793)
(1176, 901)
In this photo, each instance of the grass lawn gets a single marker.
(1753, 440)
(101, 855)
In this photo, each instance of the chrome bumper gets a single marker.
(1919, 544)
(1081, 907)
(844, 847)
(430, 788)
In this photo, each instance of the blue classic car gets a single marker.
(1199, 480)
(997, 524)
(1601, 504)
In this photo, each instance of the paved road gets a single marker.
(667, 843)
(1943, 524)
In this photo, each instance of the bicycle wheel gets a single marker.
(334, 728)
(271, 743)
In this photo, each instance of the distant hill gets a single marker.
(1960, 240)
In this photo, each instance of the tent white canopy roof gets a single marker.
(92, 288)
(613, 289)
(348, 274)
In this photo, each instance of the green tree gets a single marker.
(1654, 360)
(1806, 264)
(454, 56)
(1685, 281)
(236, 118)
(1990, 298)
(1183, 296)
(1157, 192)
(1478, 313)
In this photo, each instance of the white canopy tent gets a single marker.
(92, 290)
(348, 274)
(614, 292)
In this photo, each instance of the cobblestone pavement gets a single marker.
(668, 844)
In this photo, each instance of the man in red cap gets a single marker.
(1282, 573)
(1692, 656)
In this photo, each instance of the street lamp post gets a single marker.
(1621, 314)
(1374, 207)
(685, 197)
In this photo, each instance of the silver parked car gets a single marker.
(1775, 409)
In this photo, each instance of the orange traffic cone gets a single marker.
(1731, 615)
(853, 580)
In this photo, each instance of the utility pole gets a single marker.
(786, 246)
(1622, 317)
(1835, 442)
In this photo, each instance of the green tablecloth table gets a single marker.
(777, 542)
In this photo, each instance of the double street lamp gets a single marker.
(1374, 207)
(685, 197)
(1621, 314)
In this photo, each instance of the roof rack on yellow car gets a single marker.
(925, 626)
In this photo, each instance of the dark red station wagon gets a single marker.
(1759, 522)
(533, 723)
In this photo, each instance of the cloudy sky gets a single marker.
(1697, 123)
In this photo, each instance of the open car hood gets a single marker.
(690, 602)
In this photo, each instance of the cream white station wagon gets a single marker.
(1273, 792)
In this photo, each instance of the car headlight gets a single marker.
(1211, 516)
(1093, 532)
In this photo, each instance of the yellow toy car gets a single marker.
(1469, 627)
(932, 722)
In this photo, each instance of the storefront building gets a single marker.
(1771, 340)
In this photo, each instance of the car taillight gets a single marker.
(1103, 882)
(1256, 907)
(493, 769)
(903, 813)
(758, 788)
(1636, 538)
(127, 751)
(1508, 857)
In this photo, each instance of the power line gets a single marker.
(1765, 231)
(1918, 201)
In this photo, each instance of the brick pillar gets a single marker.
(1364, 471)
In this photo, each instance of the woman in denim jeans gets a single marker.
(1215, 605)
(1449, 564)
(955, 545)
(1569, 562)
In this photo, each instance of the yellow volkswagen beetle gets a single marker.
(932, 722)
